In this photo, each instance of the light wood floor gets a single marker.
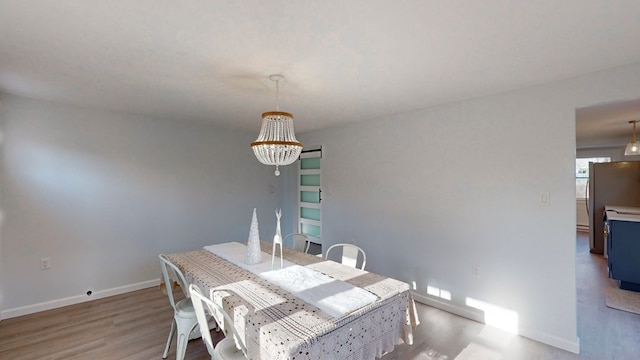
(129, 326)
(135, 326)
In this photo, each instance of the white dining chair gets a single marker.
(229, 348)
(184, 315)
(300, 242)
(350, 254)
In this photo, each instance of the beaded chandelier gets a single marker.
(276, 144)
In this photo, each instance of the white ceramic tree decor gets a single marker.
(253, 244)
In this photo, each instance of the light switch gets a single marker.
(45, 263)
(545, 198)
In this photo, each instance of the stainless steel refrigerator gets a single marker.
(614, 183)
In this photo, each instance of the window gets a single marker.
(582, 174)
(310, 198)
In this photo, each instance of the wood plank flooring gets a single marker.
(135, 326)
(132, 326)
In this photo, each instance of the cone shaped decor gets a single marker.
(253, 244)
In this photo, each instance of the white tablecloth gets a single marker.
(335, 297)
(279, 325)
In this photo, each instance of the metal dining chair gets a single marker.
(350, 254)
(229, 348)
(184, 316)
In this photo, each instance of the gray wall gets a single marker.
(432, 194)
(103, 193)
(456, 187)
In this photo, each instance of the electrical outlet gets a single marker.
(475, 271)
(45, 263)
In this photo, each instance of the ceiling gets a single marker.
(608, 124)
(344, 61)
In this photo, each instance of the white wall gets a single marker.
(432, 194)
(1, 211)
(457, 187)
(103, 193)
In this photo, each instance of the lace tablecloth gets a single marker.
(278, 325)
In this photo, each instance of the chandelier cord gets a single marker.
(277, 95)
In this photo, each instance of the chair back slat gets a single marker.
(204, 305)
(300, 241)
(198, 301)
(350, 256)
(171, 273)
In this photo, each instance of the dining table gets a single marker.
(309, 308)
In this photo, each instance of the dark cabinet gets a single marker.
(623, 248)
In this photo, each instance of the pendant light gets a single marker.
(633, 148)
(276, 144)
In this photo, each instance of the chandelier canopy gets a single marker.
(633, 147)
(276, 144)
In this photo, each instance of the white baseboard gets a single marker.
(571, 346)
(53, 304)
(465, 313)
